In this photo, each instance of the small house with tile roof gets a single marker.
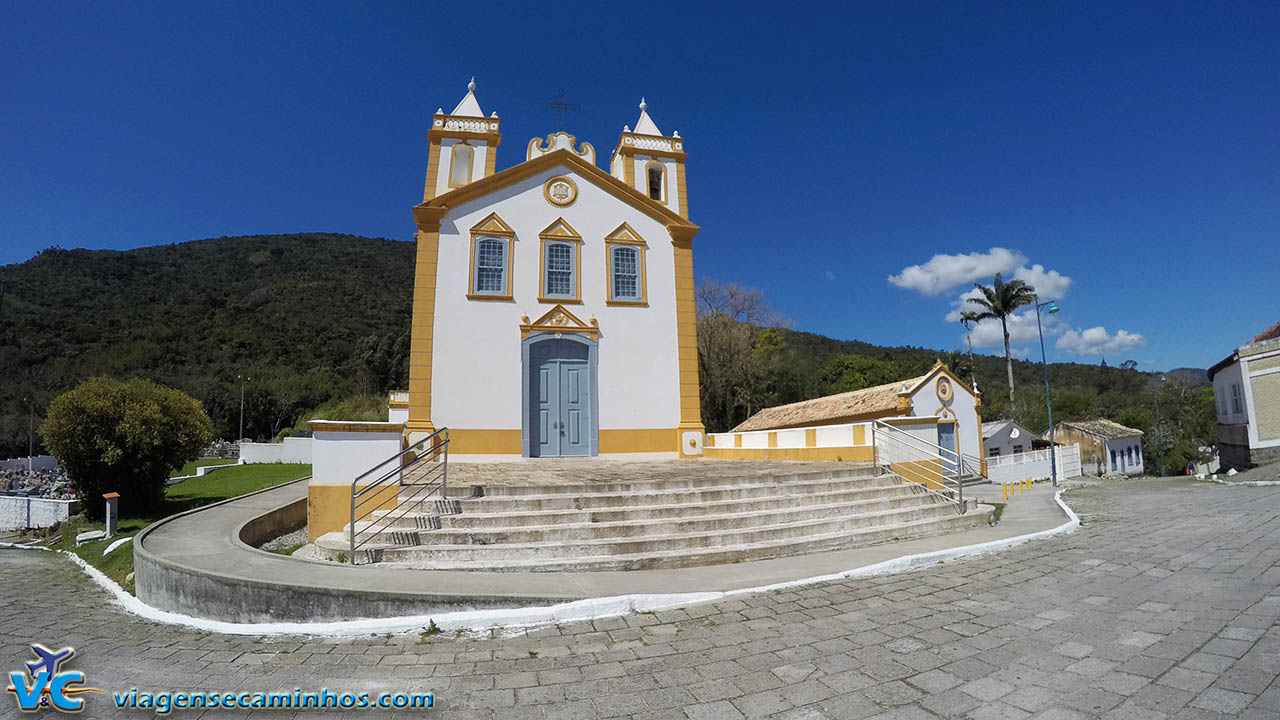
(1104, 445)
(938, 398)
(1246, 391)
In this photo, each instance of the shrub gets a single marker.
(124, 437)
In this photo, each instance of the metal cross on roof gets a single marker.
(560, 106)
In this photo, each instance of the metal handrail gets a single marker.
(884, 434)
(370, 495)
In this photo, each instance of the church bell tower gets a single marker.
(651, 162)
(462, 146)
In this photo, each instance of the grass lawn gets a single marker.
(190, 468)
(188, 494)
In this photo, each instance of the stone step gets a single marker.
(478, 515)
(549, 546)
(865, 470)
(683, 557)
(680, 496)
(653, 528)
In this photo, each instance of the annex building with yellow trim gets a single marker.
(553, 302)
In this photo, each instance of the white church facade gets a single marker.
(553, 304)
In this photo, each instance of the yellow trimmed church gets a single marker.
(553, 302)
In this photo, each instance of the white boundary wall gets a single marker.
(825, 436)
(20, 513)
(1034, 465)
(292, 450)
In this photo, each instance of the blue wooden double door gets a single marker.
(560, 422)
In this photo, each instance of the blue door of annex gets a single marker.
(560, 409)
(947, 441)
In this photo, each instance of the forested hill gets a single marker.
(306, 316)
(317, 318)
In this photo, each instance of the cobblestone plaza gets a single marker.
(1163, 604)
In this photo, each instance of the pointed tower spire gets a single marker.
(645, 125)
(469, 106)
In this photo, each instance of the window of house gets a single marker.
(1017, 449)
(1237, 400)
(1128, 454)
(460, 165)
(655, 172)
(993, 452)
(1113, 460)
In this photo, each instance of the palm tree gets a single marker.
(968, 318)
(999, 301)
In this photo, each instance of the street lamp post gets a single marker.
(1051, 308)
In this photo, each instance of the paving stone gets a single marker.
(1227, 702)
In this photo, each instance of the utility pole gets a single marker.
(243, 380)
(31, 432)
(1159, 447)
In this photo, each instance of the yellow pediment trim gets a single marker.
(559, 320)
(492, 225)
(561, 229)
(624, 233)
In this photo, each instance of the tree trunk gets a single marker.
(973, 369)
(1008, 358)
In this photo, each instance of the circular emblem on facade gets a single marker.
(944, 389)
(560, 191)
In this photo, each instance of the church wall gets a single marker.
(478, 393)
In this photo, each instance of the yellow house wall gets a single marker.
(1266, 404)
(329, 508)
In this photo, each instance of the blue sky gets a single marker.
(861, 163)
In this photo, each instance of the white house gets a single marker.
(1104, 445)
(1246, 391)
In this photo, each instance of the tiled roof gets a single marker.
(867, 402)
(993, 427)
(1270, 333)
(1103, 429)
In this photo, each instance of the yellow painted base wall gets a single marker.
(847, 454)
(329, 508)
(925, 472)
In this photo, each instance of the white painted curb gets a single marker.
(1245, 483)
(588, 609)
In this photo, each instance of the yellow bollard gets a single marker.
(1004, 491)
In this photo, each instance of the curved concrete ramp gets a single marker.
(196, 563)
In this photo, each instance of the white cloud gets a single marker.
(945, 272)
(1049, 285)
(1022, 329)
(1096, 341)
(830, 275)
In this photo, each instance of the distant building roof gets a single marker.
(1271, 333)
(993, 427)
(867, 402)
(1102, 428)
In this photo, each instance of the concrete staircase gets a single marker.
(649, 524)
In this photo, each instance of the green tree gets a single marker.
(124, 437)
(843, 373)
(1000, 301)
